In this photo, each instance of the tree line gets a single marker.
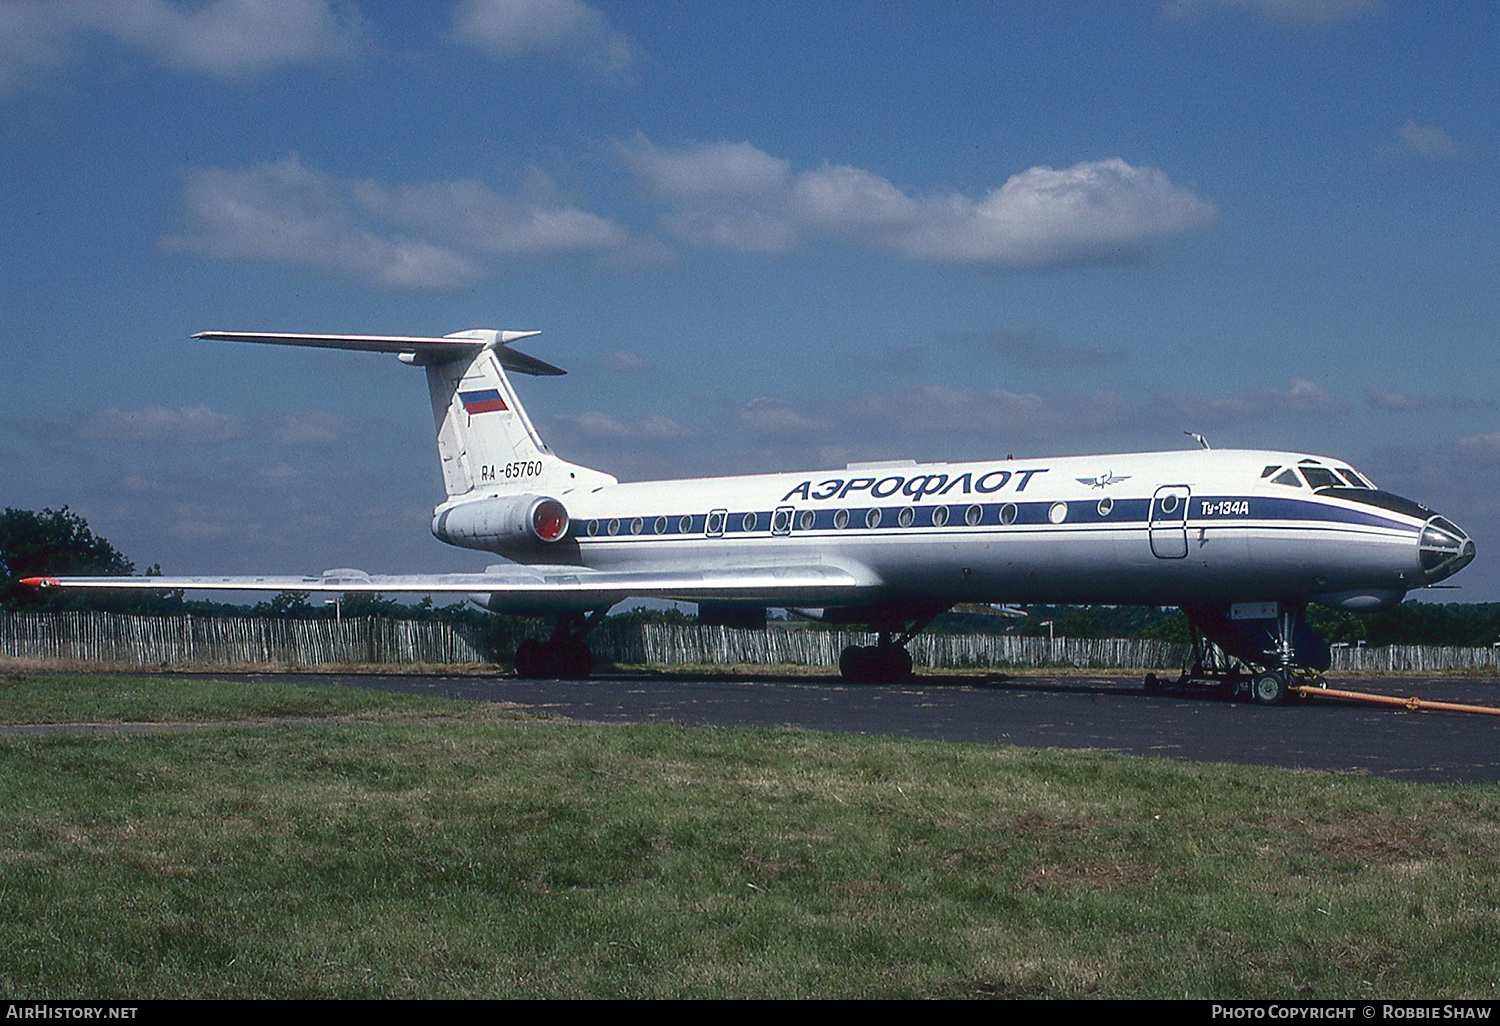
(60, 542)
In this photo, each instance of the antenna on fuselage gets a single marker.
(1200, 439)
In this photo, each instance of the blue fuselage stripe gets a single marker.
(1209, 511)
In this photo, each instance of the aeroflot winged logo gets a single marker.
(1104, 480)
(483, 400)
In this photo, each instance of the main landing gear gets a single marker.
(869, 664)
(887, 661)
(565, 655)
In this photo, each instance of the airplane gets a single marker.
(1242, 540)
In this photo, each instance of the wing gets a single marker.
(532, 587)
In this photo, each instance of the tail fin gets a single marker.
(487, 443)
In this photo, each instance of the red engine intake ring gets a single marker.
(549, 520)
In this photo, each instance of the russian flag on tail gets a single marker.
(483, 400)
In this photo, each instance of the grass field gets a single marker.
(383, 846)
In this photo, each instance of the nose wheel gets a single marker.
(1269, 688)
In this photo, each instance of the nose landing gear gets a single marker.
(1257, 652)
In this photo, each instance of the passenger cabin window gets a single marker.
(1287, 477)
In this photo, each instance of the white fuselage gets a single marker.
(1170, 528)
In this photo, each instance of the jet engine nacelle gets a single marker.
(501, 524)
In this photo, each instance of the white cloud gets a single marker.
(1485, 446)
(189, 425)
(508, 29)
(1427, 142)
(201, 425)
(596, 425)
(1300, 397)
(1091, 211)
(767, 417)
(1403, 402)
(312, 428)
(431, 236)
(735, 196)
(1294, 13)
(196, 530)
(1395, 402)
(286, 213)
(283, 475)
(730, 171)
(1033, 346)
(944, 410)
(470, 215)
(227, 39)
(624, 362)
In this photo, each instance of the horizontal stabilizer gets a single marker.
(421, 350)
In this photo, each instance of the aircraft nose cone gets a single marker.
(1443, 549)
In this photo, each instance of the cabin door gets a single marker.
(1168, 524)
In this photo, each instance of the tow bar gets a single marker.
(1414, 704)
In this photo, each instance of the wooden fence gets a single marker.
(670, 645)
(114, 639)
(1416, 659)
(158, 641)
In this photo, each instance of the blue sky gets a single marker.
(760, 236)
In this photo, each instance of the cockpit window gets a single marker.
(1270, 470)
(1353, 478)
(1319, 477)
(1288, 477)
